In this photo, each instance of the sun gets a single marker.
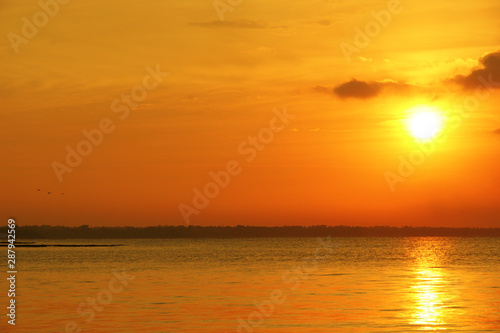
(424, 122)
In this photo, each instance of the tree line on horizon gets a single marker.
(240, 231)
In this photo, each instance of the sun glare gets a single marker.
(424, 122)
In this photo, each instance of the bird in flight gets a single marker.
(49, 192)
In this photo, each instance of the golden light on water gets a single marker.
(427, 288)
(424, 122)
(434, 300)
(428, 311)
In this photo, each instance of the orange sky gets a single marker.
(227, 79)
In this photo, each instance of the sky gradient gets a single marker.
(332, 160)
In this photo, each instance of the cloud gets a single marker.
(486, 75)
(497, 131)
(321, 22)
(241, 24)
(263, 51)
(363, 59)
(362, 89)
(357, 89)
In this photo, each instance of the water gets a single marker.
(260, 285)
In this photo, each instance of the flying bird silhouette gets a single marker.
(62, 193)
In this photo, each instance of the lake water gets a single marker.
(259, 285)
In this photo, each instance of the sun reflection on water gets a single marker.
(428, 298)
(431, 291)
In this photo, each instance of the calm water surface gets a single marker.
(260, 285)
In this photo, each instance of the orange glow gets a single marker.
(170, 132)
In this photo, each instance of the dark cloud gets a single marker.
(497, 131)
(242, 24)
(486, 75)
(357, 89)
(362, 89)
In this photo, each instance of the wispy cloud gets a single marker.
(321, 22)
(242, 24)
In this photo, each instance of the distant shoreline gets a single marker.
(196, 232)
